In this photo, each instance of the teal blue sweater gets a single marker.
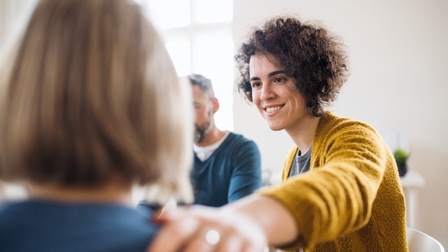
(39, 225)
(230, 173)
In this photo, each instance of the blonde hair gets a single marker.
(93, 93)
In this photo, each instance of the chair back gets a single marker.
(422, 242)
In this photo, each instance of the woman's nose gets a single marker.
(266, 93)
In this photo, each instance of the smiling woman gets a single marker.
(340, 190)
(275, 95)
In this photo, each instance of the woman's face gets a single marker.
(275, 94)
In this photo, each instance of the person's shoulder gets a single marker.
(12, 213)
(238, 143)
(131, 227)
(334, 125)
(333, 120)
(239, 138)
(9, 209)
(5, 210)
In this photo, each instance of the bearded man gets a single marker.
(227, 165)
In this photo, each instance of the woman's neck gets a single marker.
(303, 134)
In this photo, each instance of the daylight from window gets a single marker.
(198, 37)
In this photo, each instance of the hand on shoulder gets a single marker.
(199, 228)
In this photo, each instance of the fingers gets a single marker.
(175, 232)
(210, 239)
(199, 229)
(229, 243)
(199, 243)
(238, 240)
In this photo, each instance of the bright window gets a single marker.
(198, 37)
(209, 11)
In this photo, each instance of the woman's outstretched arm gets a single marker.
(249, 224)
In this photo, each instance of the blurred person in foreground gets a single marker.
(227, 166)
(341, 190)
(90, 105)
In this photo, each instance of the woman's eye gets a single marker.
(279, 79)
(255, 84)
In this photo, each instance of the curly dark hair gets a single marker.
(313, 57)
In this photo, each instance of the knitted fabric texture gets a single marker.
(352, 199)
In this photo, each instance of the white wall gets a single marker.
(13, 15)
(398, 58)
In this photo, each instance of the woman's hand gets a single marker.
(197, 228)
(246, 225)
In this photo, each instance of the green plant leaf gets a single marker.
(401, 156)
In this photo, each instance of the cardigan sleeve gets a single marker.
(336, 197)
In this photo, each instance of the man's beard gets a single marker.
(201, 132)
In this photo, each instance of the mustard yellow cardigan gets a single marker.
(351, 199)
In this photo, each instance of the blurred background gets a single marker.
(398, 52)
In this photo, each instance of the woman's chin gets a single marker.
(275, 127)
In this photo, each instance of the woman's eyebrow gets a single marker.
(276, 72)
(269, 75)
